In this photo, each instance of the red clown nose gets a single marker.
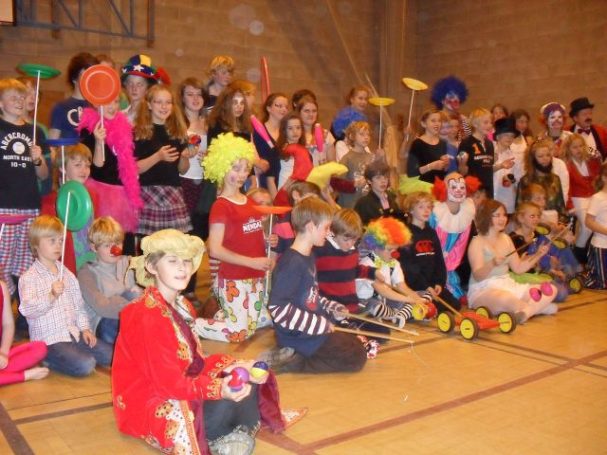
(116, 250)
(395, 254)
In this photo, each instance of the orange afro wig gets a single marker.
(385, 231)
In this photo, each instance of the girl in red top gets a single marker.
(583, 171)
(236, 239)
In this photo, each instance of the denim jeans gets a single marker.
(76, 358)
(107, 330)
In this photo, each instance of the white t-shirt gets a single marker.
(598, 208)
(364, 286)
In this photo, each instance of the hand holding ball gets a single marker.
(239, 377)
(259, 370)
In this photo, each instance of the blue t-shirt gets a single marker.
(65, 116)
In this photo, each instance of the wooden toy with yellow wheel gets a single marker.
(472, 322)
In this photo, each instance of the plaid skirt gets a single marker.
(163, 208)
(15, 254)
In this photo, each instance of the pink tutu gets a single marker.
(113, 201)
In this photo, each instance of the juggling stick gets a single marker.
(265, 79)
(36, 105)
(530, 242)
(371, 334)
(383, 324)
(319, 137)
(270, 210)
(260, 129)
(415, 86)
(1, 230)
(380, 102)
(67, 217)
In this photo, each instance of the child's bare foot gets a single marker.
(36, 373)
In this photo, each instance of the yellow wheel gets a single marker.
(484, 311)
(419, 312)
(575, 285)
(468, 328)
(446, 322)
(507, 322)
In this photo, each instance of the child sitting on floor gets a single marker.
(106, 284)
(422, 260)
(388, 296)
(303, 320)
(17, 363)
(53, 306)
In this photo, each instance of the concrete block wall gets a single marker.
(518, 53)
(299, 39)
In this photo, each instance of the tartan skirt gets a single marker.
(163, 208)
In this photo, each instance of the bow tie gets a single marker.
(584, 131)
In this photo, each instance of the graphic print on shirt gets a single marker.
(15, 145)
(424, 248)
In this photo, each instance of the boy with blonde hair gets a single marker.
(107, 284)
(53, 306)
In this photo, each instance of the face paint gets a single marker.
(451, 102)
(456, 189)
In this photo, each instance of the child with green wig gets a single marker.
(236, 239)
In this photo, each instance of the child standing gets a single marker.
(220, 73)
(449, 132)
(476, 151)
(185, 405)
(17, 364)
(162, 156)
(388, 296)
(428, 156)
(422, 260)
(21, 165)
(114, 169)
(77, 168)
(236, 239)
(504, 180)
(357, 100)
(596, 220)
(379, 201)
(307, 107)
(358, 135)
(584, 170)
(303, 319)
(53, 306)
(106, 284)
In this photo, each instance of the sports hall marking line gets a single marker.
(66, 412)
(284, 442)
(452, 404)
(12, 434)
(56, 401)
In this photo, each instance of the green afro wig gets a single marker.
(224, 151)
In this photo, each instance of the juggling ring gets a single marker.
(80, 205)
(380, 102)
(270, 210)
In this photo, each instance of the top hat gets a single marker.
(505, 125)
(578, 104)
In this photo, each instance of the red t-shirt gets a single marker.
(243, 234)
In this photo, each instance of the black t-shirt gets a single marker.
(421, 154)
(18, 181)
(163, 172)
(108, 173)
(480, 161)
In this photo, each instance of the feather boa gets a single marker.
(119, 140)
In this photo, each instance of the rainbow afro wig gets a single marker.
(445, 86)
(224, 151)
(385, 231)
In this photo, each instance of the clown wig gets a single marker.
(223, 152)
(445, 86)
(439, 190)
(385, 231)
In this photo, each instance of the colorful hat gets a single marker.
(140, 65)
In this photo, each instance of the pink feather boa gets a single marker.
(119, 138)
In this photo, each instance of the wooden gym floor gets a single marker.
(540, 390)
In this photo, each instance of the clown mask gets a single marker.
(451, 102)
(456, 189)
(555, 120)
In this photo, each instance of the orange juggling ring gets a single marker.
(272, 209)
(100, 85)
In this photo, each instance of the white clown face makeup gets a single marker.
(456, 189)
(451, 102)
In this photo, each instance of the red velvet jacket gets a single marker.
(151, 359)
(579, 185)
